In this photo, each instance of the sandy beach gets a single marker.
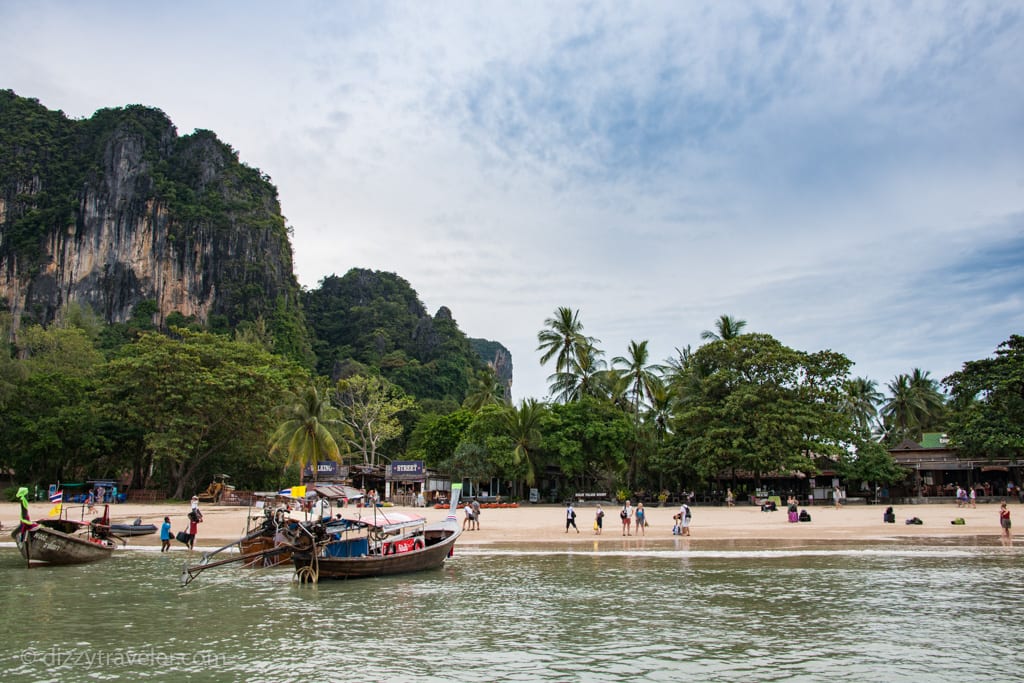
(538, 524)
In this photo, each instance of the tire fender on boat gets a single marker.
(417, 545)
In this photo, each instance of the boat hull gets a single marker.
(133, 529)
(440, 542)
(49, 546)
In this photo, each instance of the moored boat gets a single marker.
(65, 541)
(136, 529)
(374, 542)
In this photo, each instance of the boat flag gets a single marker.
(293, 492)
(57, 496)
(55, 511)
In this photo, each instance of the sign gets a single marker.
(405, 470)
(534, 495)
(325, 469)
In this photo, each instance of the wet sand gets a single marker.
(539, 524)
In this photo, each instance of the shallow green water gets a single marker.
(658, 612)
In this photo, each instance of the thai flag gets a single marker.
(57, 496)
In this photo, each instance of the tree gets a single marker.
(582, 376)
(760, 406)
(726, 328)
(860, 402)
(640, 378)
(589, 440)
(306, 435)
(440, 435)
(195, 400)
(563, 339)
(369, 406)
(485, 389)
(915, 405)
(523, 424)
(989, 422)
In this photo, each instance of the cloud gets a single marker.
(844, 176)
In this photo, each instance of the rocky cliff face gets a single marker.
(118, 209)
(498, 358)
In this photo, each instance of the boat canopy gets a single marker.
(384, 521)
(336, 491)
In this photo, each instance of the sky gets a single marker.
(844, 176)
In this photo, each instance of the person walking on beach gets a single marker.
(165, 535)
(598, 520)
(837, 495)
(730, 498)
(641, 519)
(626, 514)
(684, 519)
(476, 514)
(973, 496)
(1004, 520)
(570, 518)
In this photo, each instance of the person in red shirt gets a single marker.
(194, 518)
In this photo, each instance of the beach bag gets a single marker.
(675, 530)
(622, 514)
(182, 536)
(805, 516)
(958, 521)
(595, 525)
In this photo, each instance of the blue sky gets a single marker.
(847, 176)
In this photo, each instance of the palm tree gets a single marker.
(861, 401)
(523, 425)
(930, 396)
(581, 379)
(641, 380)
(563, 339)
(727, 328)
(642, 377)
(305, 435)
(915, 404)
(485, 389)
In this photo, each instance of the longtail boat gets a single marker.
(374, 542)
(66, 541)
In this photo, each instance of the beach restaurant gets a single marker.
(936, 469)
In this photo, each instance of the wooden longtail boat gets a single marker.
(65, 541)
(375, 542)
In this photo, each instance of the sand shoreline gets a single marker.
(543, 524)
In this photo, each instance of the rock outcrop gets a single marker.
(118, 209)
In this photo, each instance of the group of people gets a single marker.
(472, 519)
(633, 518)
(195, 517)
(965, 497)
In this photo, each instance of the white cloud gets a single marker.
(831, 172)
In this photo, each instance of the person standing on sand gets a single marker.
(1004, 520)
(641, 519)
(837, 495)
(468, 521)
(570, 518)
(598, 520)
(194, 518)
(730, 499)
(684, 519)
(626, 514)
(165, 535)
(973, 496)
(476, 514)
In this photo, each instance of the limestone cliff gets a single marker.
(118, 209)
(498, 358)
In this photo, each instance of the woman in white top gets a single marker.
(627, 518)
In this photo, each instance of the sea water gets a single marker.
(630, 610)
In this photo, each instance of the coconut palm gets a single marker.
(640, 375)
(581, 378)
(563, 339)
(485, 389)
(523, 424)
(727, 328)
(305, 435)
(915, 404)
(860, 402)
